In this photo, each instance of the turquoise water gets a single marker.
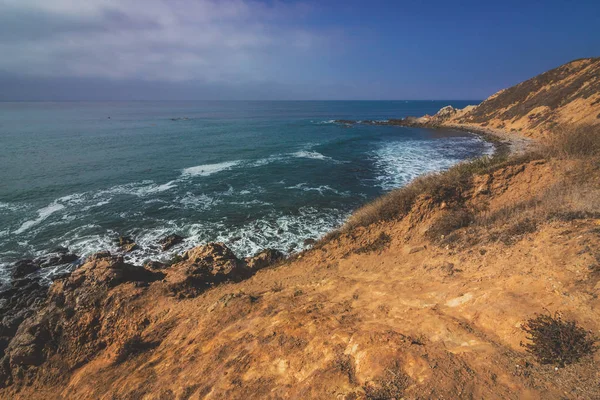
(251, 174)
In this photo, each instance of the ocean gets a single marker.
(250, 174)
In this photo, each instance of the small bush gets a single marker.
(377, 245)
(277, 287)
(556, 341)
(448, 223)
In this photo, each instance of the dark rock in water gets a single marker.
(292, 247)
(170, 241)
(128, 248)
(123, 240)
(61, 250)
(61, 256)
(235, 239)
(127, 244)
(24, 267)
(309, 242)
(264, 259)
(155, 265)
(99, 255)
(345, 121)
(53, 260)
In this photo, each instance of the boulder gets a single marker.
(204, 267)
(24, 267)
(445, 112)
(170, 241)
(60, 257)
(110, 271)
(264, 259)
(216, 258)
(127, 244)
(309, 242)
(155, 265)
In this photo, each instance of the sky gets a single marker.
(62, 50)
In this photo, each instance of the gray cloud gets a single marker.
(158, 40)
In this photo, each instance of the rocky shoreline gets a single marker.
(39, 320)
(506, 143)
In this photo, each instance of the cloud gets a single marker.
(159, 40)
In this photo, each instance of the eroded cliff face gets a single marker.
(383, 311)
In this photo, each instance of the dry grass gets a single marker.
(445, 186)
(391, 385)
(448, 223)
(569, 199)
(582, 141)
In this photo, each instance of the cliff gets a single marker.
(425, 293)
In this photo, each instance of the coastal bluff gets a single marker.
(428, 292)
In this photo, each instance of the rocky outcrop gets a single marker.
(167, 242)
(205, 266)
(60, 256)
(18, 302)
(94, 308)
(264, 259)
(127, 244)
(74, 318)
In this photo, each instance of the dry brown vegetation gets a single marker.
(553, 340)
(576, 142)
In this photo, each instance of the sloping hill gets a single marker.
(567, 95)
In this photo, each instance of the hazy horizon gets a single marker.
(155, 50)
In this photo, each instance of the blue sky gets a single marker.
(247, 49)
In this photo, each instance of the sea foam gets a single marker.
(43, 213)
(208, 169)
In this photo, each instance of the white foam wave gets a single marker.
(401, 162)
(283, 232)
(321, 189)
(198, 202)
(139, 189)
(314, 155)
(12, 207)
(98, 204)
(310, 154)
(208, 169)
(43, 213)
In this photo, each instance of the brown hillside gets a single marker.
(569, 94)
